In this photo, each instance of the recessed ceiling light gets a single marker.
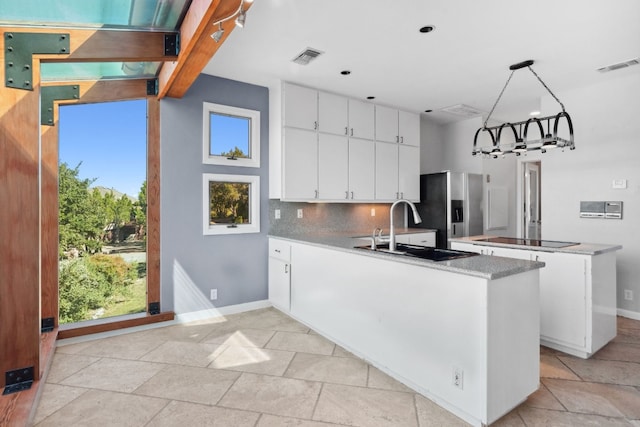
(345, 72)
(534, 113)
(371, 97)
(427, 28)
(428, 111)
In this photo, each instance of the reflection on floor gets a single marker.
(261, 368)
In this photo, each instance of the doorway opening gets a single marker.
(531, 197)
(102, 193)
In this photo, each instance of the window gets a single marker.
(231, 136)
(231, 204)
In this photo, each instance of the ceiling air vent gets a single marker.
(619, 65)
(463, 110)
(307, 56)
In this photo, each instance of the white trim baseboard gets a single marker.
(628, 313)
(219, 312)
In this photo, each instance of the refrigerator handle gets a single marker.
(454, 229)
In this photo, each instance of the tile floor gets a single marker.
(263, 369)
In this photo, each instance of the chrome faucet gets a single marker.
(392, 230)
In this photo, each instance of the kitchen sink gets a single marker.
(423, 252)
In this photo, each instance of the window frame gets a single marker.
(254, 204)
(253, 116)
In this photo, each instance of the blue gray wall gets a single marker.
(191, 263)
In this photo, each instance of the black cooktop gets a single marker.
(528, 242)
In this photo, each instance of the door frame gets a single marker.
(521, 193)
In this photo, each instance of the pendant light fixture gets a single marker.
(241, 16)
(524, 141)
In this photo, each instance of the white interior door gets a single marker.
(532, 209)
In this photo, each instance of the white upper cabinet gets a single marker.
(409, 172)
(332, 113)
(333, 167)
(386, 124)
(409, 128)
(361, 119)
(299, 165)
(300, 107)
(362, 173)
(387, 171)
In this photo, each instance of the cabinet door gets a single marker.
(279, 284)
(404, 238)
(300, 165)
(386, 171)
(423, 239)
(362, 174)
(332, 113)
(409, 128)
(409, 172)
(300, 107)
(333, 167)
(361, 119)
(386, 124)
(562, 298)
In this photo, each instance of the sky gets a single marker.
(110, 139)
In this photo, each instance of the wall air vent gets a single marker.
(619, 65)
(308, 55)
(463, 110)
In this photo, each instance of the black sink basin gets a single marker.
(424, 252)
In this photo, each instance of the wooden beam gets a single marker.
(197, 46)
(153, 201)
(103, 45)
(113, 326)
(19, 225)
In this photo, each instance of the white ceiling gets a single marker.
(464, 61)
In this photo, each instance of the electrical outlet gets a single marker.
(277, 214)
(214, 294)
(373, 211)
(628, 294)
(299, 213)
(458, 377)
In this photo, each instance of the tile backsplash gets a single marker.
(330, 216)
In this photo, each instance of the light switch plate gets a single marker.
(619, 183)
(277, 214)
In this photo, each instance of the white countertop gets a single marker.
(580, 248)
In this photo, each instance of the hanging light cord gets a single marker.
(547, 88)
(498, 100)
(507, 84)
(232, 15)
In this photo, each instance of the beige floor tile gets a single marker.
(188, 332)
(105, 408)
(600, 399)
(624, 352)
(341, 352)
(544, 418)
(552, 367)
(270, 319)
(73, 348)
(127, 346)
(330, 369)
(299, 342)
(65, 365)
(194, 415)
(186, 383)
(242, 337)
(114, 375)
(625, 322)
(54, 397)
(512, 419)
(543, 399)
(378, 379)
(184, 353)
(605, 371)
(273, 395)
(365, 407)
(432, 415)
(631, 336)
(255, 360)
(276, 421)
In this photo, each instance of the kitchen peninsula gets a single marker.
(577, 288)
(463, 332)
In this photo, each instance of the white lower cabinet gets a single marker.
(577, 296)
(280, 274)
(420, 239)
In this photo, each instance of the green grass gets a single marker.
(135, 302)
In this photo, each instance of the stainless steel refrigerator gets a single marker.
(451, 203)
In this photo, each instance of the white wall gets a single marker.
(432, 147)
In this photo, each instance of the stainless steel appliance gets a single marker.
(450, 203)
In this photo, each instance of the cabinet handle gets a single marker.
(351, 132)
(537, 256)
(402, 140)
(402, 195)
(286, 269)
(315, 125)
(397, 139)
(346, 194)
(397, 195)
(316, 194)
(277, 250)
(346, 130)
(352, 195)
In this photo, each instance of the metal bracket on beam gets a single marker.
(47, 324)
(18, 380)
(154, 308)
(152, 87)
(171, 44)
(48, 94)
(19, 49)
